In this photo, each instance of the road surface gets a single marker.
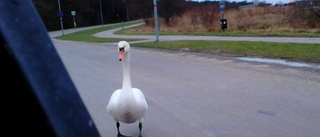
(197, 95)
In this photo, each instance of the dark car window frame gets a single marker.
(39, 97)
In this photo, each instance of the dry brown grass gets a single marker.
(267, 20)
(257, 19)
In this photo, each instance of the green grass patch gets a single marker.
(87, 35)
(132, 31)
(288, 51)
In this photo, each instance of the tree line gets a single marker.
(97, 12)
(88, 12)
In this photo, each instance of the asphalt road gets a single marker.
(193, 95)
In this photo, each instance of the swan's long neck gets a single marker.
(126, 83)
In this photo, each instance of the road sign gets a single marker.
(73, 13)
(60, 14)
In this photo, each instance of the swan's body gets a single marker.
(127, 104)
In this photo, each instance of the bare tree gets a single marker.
(171, 8)
(307, 11)
(143, 8)
(313, 14)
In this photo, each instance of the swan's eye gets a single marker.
(121, 49)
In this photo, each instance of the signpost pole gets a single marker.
(60, 15)
(101, 13)
(222, 6)
(73, 13)
(223, 21)
(156, 19)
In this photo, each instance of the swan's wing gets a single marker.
(113, 100)
(139, 96)
(143, 105)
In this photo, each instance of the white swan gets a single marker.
(127, 104)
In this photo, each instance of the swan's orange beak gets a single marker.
(121, 54)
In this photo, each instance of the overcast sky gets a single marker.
(268, 1)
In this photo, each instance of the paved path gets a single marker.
(148, 38)
(110, 34)
(56, 33)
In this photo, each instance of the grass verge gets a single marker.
(289, 51)
(87, 35)
(141, 30)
